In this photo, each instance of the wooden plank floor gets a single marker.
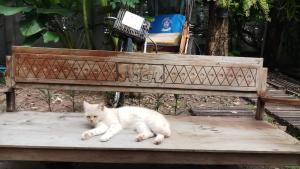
(42, 136)
(284, 114)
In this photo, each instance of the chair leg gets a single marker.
(260, 109)
(11, 101)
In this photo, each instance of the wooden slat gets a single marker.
(282, 108)
(222, 112)
(106, 68)
(164, 38)
(42, 136)
(146, 157)
(79, 52)
(133, 89)
(5, 89)
(262, 89)
(286, 111)
(9, 72)
(293, 102)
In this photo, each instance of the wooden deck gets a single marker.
(287, 115)
(41, 136)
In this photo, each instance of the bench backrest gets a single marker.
(134, 72)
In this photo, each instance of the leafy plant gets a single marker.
(37, 15)
(52, 20)
(244, 7)
(289, 10)
(158, 102)
(262, 4)
(71, 94)
(128, 4)
(176, 102)
(48, 97)
(225, 3)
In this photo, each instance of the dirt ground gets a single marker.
(67, 101)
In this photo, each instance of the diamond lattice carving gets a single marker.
(31, 67)
(65, 69)
(210, 75)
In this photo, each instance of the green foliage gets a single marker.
(28, 41)
(40, 18)
(30, 27)
(262, 4)
(8, 11)
(54, 10)
(149, 19)
(71, 95)
(128, 4)
(245, 7)
(176, 102)
(234, 53)
(158, 101)
(48, 97)
(289, 10)
(50, 37)
(225, 3)
(265, 8)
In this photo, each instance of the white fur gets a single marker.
(109, 121)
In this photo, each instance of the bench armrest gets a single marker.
(292, 102)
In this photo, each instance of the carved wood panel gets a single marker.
(102, 71)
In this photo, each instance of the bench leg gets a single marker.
(11, 101)
(260, 109)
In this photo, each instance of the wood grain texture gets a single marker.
(260, 109)
(102, 53)
(8, 73)
(146, 157)
(262, 90)
(42, 136)
(292, 102)
(104, 68)
(135, 89)
(11, 100)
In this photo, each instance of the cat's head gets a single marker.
(93, 112)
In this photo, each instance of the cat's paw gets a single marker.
(104, 138)
(140, 137)
(158, 140)
(86, 135)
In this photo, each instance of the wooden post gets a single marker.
(10, 101)
(260, 106)
(184, 39)
(10, 94)
(260, 109)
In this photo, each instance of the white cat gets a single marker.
(109, 121)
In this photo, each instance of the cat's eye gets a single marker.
(88, 116)
(95, 116)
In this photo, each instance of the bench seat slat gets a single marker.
(46, 136)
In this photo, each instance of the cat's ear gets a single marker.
(101, 106)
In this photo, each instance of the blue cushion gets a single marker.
(167, 23)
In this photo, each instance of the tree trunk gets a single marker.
(217, 41)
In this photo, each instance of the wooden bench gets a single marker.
(37, 136)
